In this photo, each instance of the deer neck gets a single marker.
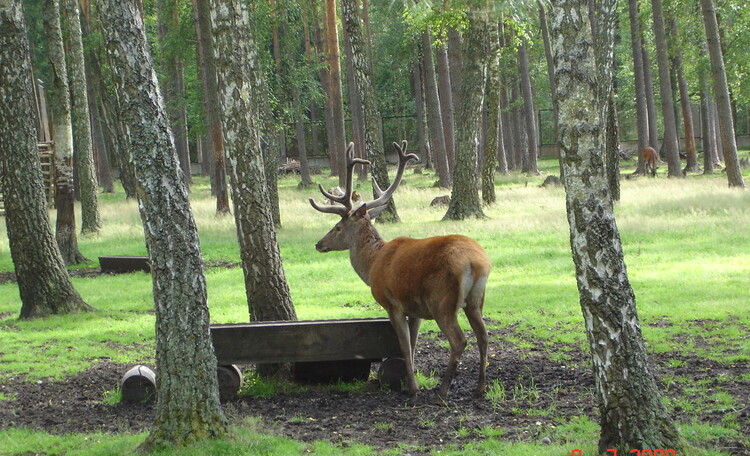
(364, 250)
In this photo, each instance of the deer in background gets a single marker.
(652, 159)
(413, 279)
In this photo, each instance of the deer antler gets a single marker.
(403, 159)
(346, 198)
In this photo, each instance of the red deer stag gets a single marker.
(413, 279)
(652, 159)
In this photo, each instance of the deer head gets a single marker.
(344, 234)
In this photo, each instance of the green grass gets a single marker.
(686, 243)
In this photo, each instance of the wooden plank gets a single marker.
(119, 264)
(304, 341)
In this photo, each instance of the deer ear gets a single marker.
(361, 211)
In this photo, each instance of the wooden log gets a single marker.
(138, 385)
(304, 341)
(120, 264)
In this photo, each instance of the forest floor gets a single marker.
(531, 395)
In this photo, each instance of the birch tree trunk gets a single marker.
(371, 115)
(43, 281)
(630, 407)
(465, 200)
(187, 408)
(59, 103)
(238, 68)
(82, 139)
(721, 92)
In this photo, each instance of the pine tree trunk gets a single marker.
(492, 90)
(237, 55)
(641, 109)
(653, 132)
(434, 117)
(187, 408)
(355, 106)
(671, 146)
(528, 106)
(631, 410)
(205, 47)
(43, 281)
(371, 115)
(687, 112)
(447, 108)
(465, 200)
(59, 103)
(721, 92)
(419, 108)
(84, 154)
(338, 147)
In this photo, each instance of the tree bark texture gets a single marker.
(447, 109)
(721, 93)
(671, 145)
(465, 200)
(205, 47)
(237, 55)
(363, 79)
(653, 131)
(82, 142)
(434, 117)
(494, 138)
(355, 106)
(59, 103)
(43, 281)
(188, 407)
(528, 107)
(419, 109)
(631, 411)
(687, 112)
(641, 110)
(337, 148)
(550, 69)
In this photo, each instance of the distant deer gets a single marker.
(413, 279)
(652, 159)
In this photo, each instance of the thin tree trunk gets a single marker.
(325, 81)
(708, 140)
(372, 119)
(671, 146)
(641, 109)
(447, 108)
(550, 72)
(338, 147)
(687, 112)
(492, 101)
(205, 46)
(721, 92)
(653, 132)
(187, 408)
(43, 281)
(84, 154)
(419, 107)
(355, 106)
(65, 227)
(528, 106)
(434, 117)
(630, 407)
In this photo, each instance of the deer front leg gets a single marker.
(401, 326)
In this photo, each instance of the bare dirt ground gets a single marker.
(540, 394)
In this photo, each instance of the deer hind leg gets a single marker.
(474, 315)
(401, 326)
(449, 326)
(414, 324)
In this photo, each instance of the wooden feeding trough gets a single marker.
(122, 264)
(322, 351)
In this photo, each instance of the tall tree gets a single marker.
(465, 200)
(84, 153)
(237, 63)
(59, 102)
(528, 107)
(205, 47)
(631, 410)
(550, 68)
(447, 108)
(173, 84)
(721, 92)
(187, 407)
(687, 112)
(43, 281)
(653, 132)
(665, 89)
(434, 117)
(336, 148)
(492, 89)
(641, 110)
(363, 79)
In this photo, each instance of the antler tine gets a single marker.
(403, 159)
(346, 198)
